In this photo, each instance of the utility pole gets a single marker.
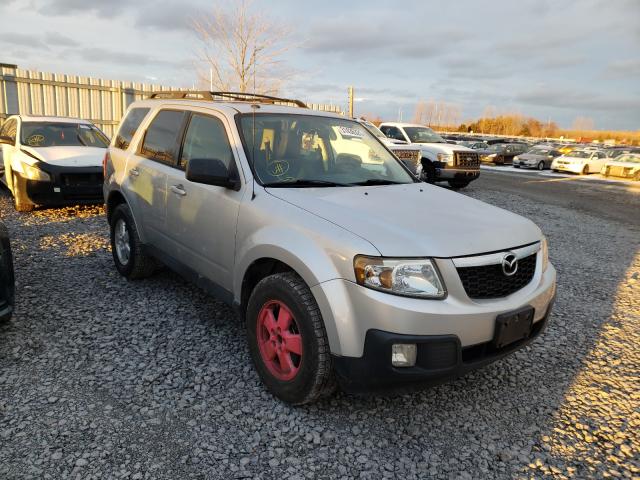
(211, 79)
(350, 102)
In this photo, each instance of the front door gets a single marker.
(201, 218)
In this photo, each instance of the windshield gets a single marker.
(578, 154)
(628, 158)
(305, 150)
(50, 134)
(423, 135)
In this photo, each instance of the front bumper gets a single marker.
(571, 167)
(439, 358)
(457, 174)
(351, 311)
(68, 185)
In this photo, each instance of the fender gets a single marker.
(116, 190)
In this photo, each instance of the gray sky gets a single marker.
(552, 60)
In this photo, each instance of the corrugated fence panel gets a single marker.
(102, 101)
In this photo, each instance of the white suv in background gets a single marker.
(51, 160)
(441, 161)
(270, 208)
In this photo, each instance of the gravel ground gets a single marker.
(102, 378)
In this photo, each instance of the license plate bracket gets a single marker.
(513, 326)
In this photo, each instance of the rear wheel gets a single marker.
(127, 249)
(288, 341)
(20, 200)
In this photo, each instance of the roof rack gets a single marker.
(234, 96)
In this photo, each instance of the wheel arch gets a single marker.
(115, 198)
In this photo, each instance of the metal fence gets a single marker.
(103, 102)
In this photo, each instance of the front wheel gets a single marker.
(458, 184)
(288, 341)
(428, 172)
(541, 166)
(20, 200)
(128, 253)
(585, 170)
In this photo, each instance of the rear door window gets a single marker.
(160, 141)
(129, 127)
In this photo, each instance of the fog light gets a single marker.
(403, 354)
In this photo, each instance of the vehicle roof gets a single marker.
(232, 107)
(52, 119)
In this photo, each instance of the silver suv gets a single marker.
(305, 222)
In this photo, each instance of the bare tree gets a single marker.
(240, 48)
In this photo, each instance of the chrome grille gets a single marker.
(467, 159)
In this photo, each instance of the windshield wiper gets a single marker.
(305, 183)
(378, 181)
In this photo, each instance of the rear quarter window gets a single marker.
(129, 127)
(160, 140)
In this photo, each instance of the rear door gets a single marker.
(202, 219)
(147, 170)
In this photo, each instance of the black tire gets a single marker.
(516, 166)
(585, 170)
(138, 264)
(7, 281)
(20, 200)
(540, 166)
(315, 377)
(458, 184)
(428, 172)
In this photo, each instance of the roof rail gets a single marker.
(233, 96)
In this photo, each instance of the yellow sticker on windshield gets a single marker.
(278, 168)
(35, 140)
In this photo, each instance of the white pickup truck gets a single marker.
(440, 161)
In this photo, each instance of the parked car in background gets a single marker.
(410, 155)
(626, 166)
(538, 157)
(440, 161)
(7, 284)
(501, 153)
(475, 145)
(334, 273)
(582, 161)
(51, 160)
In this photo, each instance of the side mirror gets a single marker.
(211, 171)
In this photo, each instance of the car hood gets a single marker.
(614, 163)
(68, 156)
(443, 147)
(531, 156)
(415, 220)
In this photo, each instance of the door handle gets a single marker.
(134, 172)
(178, 190)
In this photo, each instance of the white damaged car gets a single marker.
(51, 161)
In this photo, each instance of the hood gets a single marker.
(531, 156)
(415, 220)
(69, 156)
(443, 147)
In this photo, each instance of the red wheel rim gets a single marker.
(279, 340)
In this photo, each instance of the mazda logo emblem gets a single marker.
(509, 264)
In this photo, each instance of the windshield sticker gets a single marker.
(351, 132)
(35, 140)
(278, 168)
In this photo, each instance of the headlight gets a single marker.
(32, 172)
(445, 157)
(407, 277)
(544, 251)
(516, 158)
